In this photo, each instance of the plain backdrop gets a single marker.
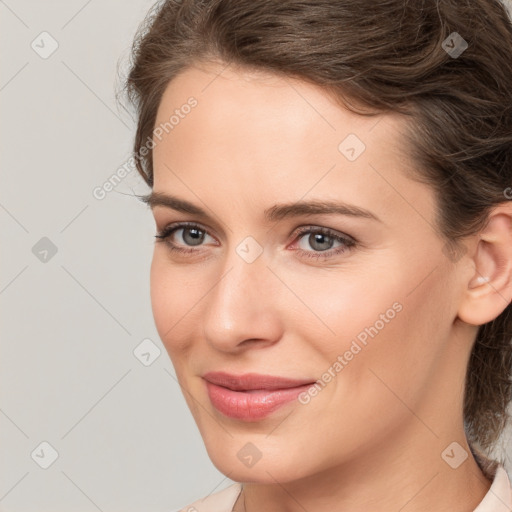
(91, 415)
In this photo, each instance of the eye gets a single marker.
(189, 235)
(322, 241)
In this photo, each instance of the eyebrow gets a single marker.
(274, 213)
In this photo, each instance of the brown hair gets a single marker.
(391, 55)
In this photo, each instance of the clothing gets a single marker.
(497, 499)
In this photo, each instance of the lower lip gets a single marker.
(251, 405)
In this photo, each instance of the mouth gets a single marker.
(252, 397)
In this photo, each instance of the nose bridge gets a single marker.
(240, 305)
(239, 289)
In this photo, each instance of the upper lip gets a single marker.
(251, 381)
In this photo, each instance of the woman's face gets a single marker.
(257, 287)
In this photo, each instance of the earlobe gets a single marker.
(489, 289)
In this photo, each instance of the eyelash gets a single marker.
(348, 242)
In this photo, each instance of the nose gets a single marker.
(242, 309)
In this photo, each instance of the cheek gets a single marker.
(380, 326)
(171, 299)
(403, 348)
(347, 305)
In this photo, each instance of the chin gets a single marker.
(242, 461)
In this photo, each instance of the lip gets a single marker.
(251, 396)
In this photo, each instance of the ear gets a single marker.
(489, 287)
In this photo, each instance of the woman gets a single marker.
(332, 278)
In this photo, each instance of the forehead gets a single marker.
(275, 138)
(263, 102)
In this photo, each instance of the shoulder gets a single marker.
(499, 497)
(221, 501)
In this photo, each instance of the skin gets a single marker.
(372, 438)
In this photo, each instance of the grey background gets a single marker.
(74, 282)
(124, 435)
